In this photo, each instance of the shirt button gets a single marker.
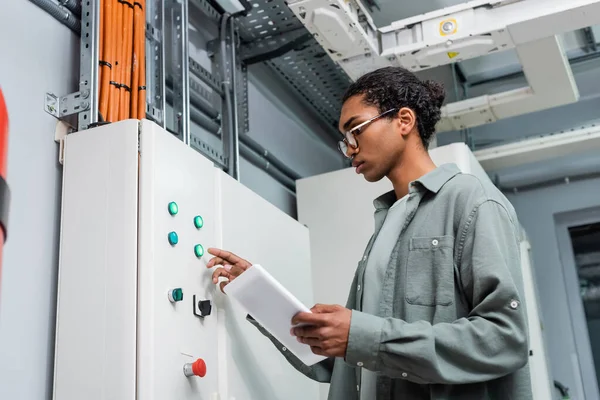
(364, 258)
(357, 388)
(404, 374)
(514, 304)
(434, 242)
(358, 287)
(360, 364)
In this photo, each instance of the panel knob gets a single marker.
(202, 308)
(173, 208)
(197, 368)
(199, 250)
(175, 295)
(173, 238)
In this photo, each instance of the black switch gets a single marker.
(202, 308)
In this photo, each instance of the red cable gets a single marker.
(3, 136)
(4, 196)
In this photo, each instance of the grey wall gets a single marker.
(536, 210)
(282, 125)
(36, 57)
(40, 55)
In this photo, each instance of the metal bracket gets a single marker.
(214, 82)
(155, 61)
(216, 155)
(67, 105)
(242, 88)
(88, 63)
(207, 9)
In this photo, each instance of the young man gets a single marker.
(436, 309)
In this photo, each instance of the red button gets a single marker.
(199, 368)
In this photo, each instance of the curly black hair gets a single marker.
(396, 87)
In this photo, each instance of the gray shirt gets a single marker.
(383, 245)
(452, 322)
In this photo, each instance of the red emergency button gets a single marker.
(197, 368)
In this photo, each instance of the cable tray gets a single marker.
(308, 68)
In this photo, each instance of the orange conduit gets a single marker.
(100, 43)
(105, 61)
(118, 61)
(122, 78)
(141, 113)
(124, 106)
(113, 61)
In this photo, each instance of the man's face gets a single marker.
(380, 143)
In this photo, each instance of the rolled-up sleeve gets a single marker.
(320, 372)
(490, 342)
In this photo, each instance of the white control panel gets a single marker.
(177, 322)
(138, 317)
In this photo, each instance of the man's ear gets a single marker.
(407, 120)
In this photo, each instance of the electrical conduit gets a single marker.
(62, 14)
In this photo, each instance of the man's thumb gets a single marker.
(324, 308)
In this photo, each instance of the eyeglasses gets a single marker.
(350, 136)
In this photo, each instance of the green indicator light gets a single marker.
(199, 250)
(173, 208)
(175, 295)
(173, 238)
(198, 222)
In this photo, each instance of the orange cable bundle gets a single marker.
(116, 81)
(137, 18)
(141, 112)
(105, 55)
(122, 72)
(126, 60)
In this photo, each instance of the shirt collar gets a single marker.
(432, 181)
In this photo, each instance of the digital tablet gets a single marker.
(272, 306)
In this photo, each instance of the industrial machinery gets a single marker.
(138, 316)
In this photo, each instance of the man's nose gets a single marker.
(351, 151)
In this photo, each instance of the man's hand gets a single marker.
(233, 266)
(327, 333)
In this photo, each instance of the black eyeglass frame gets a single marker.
(350, 135)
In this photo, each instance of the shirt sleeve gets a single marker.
(320, 372)
(490, 342)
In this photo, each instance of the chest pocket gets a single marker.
(429, 277)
